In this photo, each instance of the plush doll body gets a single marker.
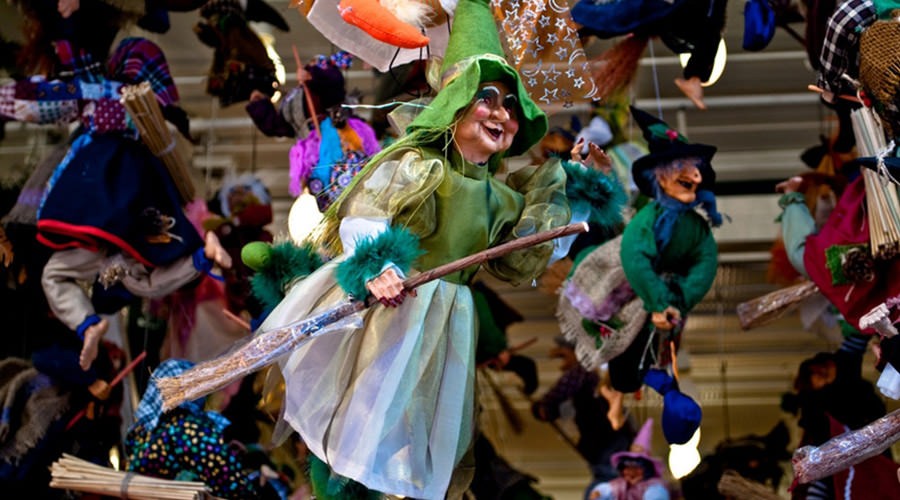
(643, 282)
(388, 402)
(640, 474)
(326, 159)
(111, 207)
(668, 252)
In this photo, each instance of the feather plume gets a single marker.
(412, 12)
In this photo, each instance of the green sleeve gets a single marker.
(638, 255)
(546, 207)
(704, 262)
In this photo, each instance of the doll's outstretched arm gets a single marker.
(383, 216)
(700, 277)
(796, 222)
(545, 207)
(164, 280)
(638, 255)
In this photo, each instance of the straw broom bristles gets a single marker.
(881, 195)
(73, 473)
(140, 102)
(616, 67)
(735, 486)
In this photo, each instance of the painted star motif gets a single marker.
(570, 73)
(532, 82)
(560, 23)
(571, 36)
(547, 94)
(562, 53)
(550, 75)
(514, 4)
(552, 38)
(535, 47)
(544, 21)
(578, 82)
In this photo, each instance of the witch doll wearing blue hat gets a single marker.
(110, 210)
(668, 252)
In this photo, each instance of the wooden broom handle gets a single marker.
(488, 254)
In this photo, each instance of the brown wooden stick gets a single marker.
(115, 381)
(840, 452)
(267, 347)
(309, 101)
(236, 319)
(773, 305)
(493, 253)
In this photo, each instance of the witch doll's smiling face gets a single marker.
(489, 124)
(680, 179)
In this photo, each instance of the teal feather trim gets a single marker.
(589, 189)
(287, 262)
(396, 246)
(326, 485)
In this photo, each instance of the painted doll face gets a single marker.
(490, 123)
(633, 473)
(680, 179)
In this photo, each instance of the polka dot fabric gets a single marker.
(187, 445)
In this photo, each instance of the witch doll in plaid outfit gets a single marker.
(110, 208)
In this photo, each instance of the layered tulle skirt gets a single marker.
(386, 400)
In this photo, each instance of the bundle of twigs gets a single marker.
(882, 201)
(143, 108)
(267, 347)
(773, 305)
(72, 473)
(736, 486)
(616, 67)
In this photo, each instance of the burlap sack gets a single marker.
(594, 280)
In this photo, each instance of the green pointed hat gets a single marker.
(474, 56)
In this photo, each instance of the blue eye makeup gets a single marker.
(490, 96)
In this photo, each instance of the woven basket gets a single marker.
(879, 70)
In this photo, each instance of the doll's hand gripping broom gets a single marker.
(267, 347)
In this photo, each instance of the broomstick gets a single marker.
(773, 305)
(115, 381)
(268, 347)
(840, 452)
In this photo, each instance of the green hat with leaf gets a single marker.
(474, 56)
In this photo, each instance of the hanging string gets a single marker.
(385, 105)
(653, 70)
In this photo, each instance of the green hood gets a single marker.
(474, 56)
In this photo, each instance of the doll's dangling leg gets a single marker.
(89, 349)
(627, 370)
(692, 88)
